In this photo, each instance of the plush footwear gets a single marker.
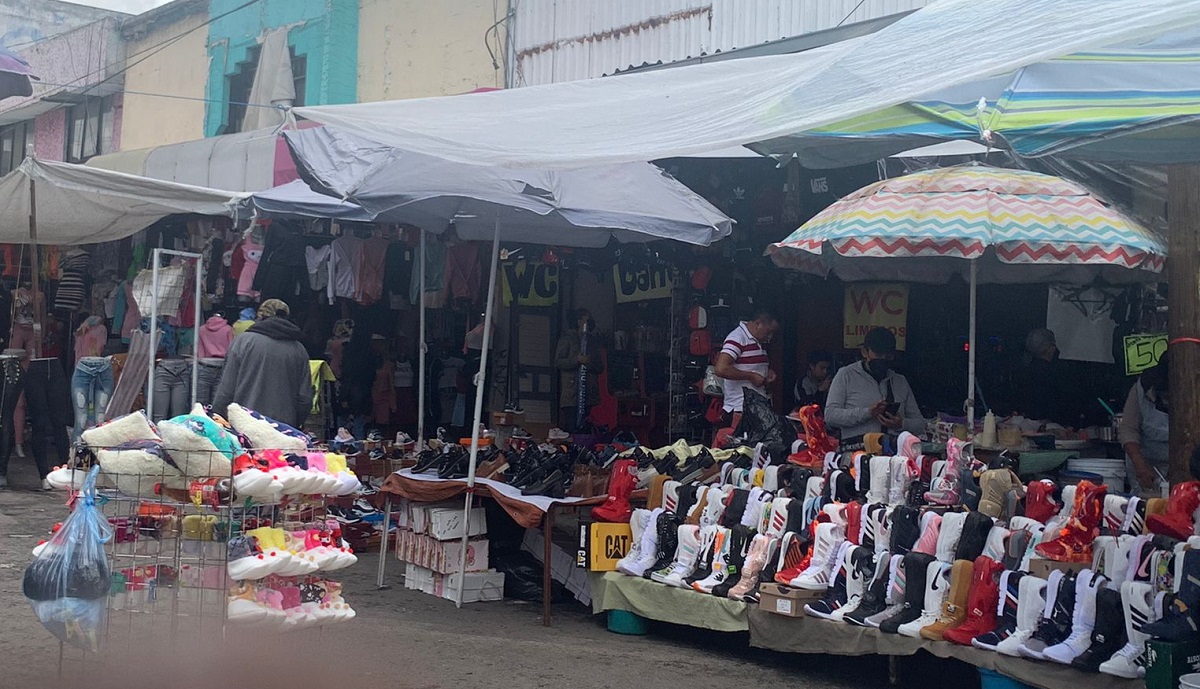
(894, 598)
(273, 545)
(242, 607)
(1083, 620)
(827, 542)
(835, 595)
(1109, 634)
(1137, 602)
(1005, 613)
(1181, 620)
(949, 534)
(641, 522)
(954, 604)
(1031, 604)
(1074, 541)
(918, 567)
(937, 588)
(246, 559)
(1039, 500)
(931, 525)
(1177, 521)
(63, 478)
(616, 506)
(982, 598)
(720, 561)
(1055, 624)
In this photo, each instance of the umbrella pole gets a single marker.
(480, 380)
(971, 351)
(421, 353)
(34, 271)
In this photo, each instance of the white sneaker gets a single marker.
(937, 587)
(46, 485)
(826, 544)
(1031, 601)
(1082, 622)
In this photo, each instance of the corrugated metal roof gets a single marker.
(565, 40)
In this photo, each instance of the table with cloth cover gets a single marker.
(654, 601)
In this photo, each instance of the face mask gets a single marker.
(879, 368)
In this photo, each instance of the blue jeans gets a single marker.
(91, 386)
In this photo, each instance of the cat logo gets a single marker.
(616, 546)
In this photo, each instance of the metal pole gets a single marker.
(421, 350)
(480, 379)
(153, 333)
(34, 271)
(197, 320)
(383, 544)
(971, 351)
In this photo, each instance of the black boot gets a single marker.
(1108, 634)
(915, 570)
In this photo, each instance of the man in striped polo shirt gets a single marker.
(743, 363)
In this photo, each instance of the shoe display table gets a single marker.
(654, 601)
(812, 635)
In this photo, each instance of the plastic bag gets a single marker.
(68, 582)
(713, 385)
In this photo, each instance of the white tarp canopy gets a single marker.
(83, 205)
(762, 100)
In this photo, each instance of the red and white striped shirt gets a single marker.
(748, 355)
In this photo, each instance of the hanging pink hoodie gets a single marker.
(214, 338)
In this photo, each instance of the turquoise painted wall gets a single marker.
(324, 31)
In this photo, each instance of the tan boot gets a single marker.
(954, 609)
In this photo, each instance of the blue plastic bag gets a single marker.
(68, 582)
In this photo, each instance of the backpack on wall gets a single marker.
(700, 343)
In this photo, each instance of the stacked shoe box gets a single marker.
(430, 542)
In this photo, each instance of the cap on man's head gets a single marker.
(273, 307)
(880, 341)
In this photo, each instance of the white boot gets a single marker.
(637, 526)
(859, 565)
(685, 557)
(1114, 514)
(814, 487)
(937, 587)
(881, 479)
(714, 507)
(1137, 598)
(1083, 620)
(720, 563)
(883, 531)
(997, 543)
(1031, 603)
(648, 551)
(828, 539)
(900, 478)
(1034, 645)
(948, 536)
(779, 517)
(895, 592)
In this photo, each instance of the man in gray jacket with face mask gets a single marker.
(869, 397)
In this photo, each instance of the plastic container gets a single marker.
(1112, 470)
(1041, 462)
(625, 622)
(990, 679)
(1190, 681)
(1071, 478)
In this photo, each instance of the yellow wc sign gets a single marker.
(870, 305)
(531, 283)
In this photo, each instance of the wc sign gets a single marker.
(530, 283)
(874, 305)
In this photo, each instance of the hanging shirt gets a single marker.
(462, 271)
(435, 272)
(252, 253)
(318, 259)
(369, 283)
(397, 273)
(346, 260)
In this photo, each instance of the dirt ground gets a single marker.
(400, 640)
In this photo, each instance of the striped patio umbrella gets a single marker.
(996, 225)
(1133, 102)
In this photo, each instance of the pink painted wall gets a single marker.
(50, 135)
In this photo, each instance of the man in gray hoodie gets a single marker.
(266, 369)
(869, 397)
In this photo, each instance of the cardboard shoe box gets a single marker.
(446, 524)
(1041, 567)
(785, 600)
(602, 545)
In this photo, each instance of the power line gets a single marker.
(189, 98)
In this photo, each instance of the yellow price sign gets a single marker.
(1143, 352)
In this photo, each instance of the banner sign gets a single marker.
(874, 305)
(642, 285)
(532, 283)
(1143, 352)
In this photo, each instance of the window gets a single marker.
(241, 83)
(13, 140)
(89, 129)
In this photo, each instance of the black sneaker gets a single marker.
(974, 536)
(874, 599)
(1109, 634)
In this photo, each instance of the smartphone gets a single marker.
(892, 409)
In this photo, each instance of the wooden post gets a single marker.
(1183, 275)
(34, 272)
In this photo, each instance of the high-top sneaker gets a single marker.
(968, 486)
(874, 597)
(1109, 634)
(779, 516)
(1113, 523)
(949, 534)
(853, 512)
(620, 486)
(766, 575)
(975, 532)
(1083, 620)
(686, 500)
(686, 554)
(714, 507)
(1056, 522)
(994, 486)
(937, 588)
(667, 544)
(1031, 604)
(996, 545)
(1137, 602)
(670, 489)
(1181, 620)
(1055, 625)
(758, 501)
(954, 604)
(825, 545)
(1135, 517)
(903, 471)
(917, 569)
(861, 461)
(1177, 522)
(648, 549)
(1005, 612)
(704, 561)
(1074, 541)
(946, 489)
(860, 567)
(735, 507)
(931, 525)
(1141, 559)
(894, 598)
(814, 487)
(790, 562)
(871, 518)
(981, 603)
(720, 560)
(638, 523)
(1026, 533)
(904, 528)
(1039, 500)
(756, 558)
(1110, 557)
(835, 595)
(739, 548)
(881, 479)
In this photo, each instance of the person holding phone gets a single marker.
(869, 397)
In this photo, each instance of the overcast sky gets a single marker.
(131, 6)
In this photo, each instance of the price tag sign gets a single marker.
(1143, 352)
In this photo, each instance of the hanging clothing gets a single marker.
(1082, 323)
(319, 260)
(251, 255)
(215, 336)
(369, 280)
(284, 268)
(397, 273)
(435, 276)
(347, 259)
(463, 275)
(383, 395)
(72, 288)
